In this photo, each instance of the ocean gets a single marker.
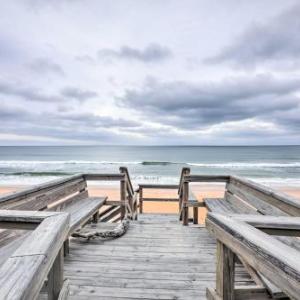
(271, 165)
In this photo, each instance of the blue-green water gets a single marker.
(266, 164)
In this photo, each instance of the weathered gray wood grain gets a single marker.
(275, 260)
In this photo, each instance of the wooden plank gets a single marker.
(156, 259)
(23, 273)
(15, 196)
(225, 272)
(161, 199)
(258, 203)
(103, 177)
(123, 197)
(282, 201)
(262, 281)
(8, 249)
(56, 276)
(116, 211)
(45, 240)
(84, 211)
(261, 251)
(64, 293)
(219, 205)
(184, 171)
(40, 200)
(141, 199)
(159, 186)
(240, 206)
(60, 206)
(107, 210)
(124, 170)
(271, 222)
(195, 204)
(185, 198)
(113, 202)
(207, 178)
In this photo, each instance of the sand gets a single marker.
(200, 191)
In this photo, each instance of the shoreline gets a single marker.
(200, 191)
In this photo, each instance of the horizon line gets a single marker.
(174, 145)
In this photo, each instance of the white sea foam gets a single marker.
(250, 165)
(12, 163)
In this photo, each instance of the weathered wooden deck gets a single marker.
(158, 258)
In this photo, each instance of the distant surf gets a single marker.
(159, 164)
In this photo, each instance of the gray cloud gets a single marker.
(150, 54)
(276, 41)
(26, 93)
(78, 94)
(69, 126)
(33, 94)
(200, 105)
(46, 66)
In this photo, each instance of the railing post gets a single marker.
(225, 272)
(141, 199)
(185, 198)
(56, 276)
(195, 215)
(123, 196)
(130, 202)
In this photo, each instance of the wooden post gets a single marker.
(180, 205)
(56, 276)
(141, 199)
(225, 272)
(195, 215)
(123, 197)
(185, 198)
(130, 202)
(96, 217)
(66, 247)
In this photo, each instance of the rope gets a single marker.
(89, 233)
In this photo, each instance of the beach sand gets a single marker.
(200, 191)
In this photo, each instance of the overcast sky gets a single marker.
(199, 72)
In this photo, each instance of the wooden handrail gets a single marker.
(144, 186)
(41, 187)
(184, 171)
(110, 177)
(23, 274)
(124, 170)
(280, 200)
(159, 186)
(278, 262)
(207, 178)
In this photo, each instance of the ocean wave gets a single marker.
(65, 162)
(249, 165)
(158, 163)
(22, 180)
(43, 173)
(237, 165)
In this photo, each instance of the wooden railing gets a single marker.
(185, 195)
(143, 187)
(39, 256)
(128, 203)
(284, 202)
(183, 192)
(127, 196)
(239, 237)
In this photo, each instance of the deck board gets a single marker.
(158, 258)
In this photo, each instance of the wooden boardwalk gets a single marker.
(158, 258)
